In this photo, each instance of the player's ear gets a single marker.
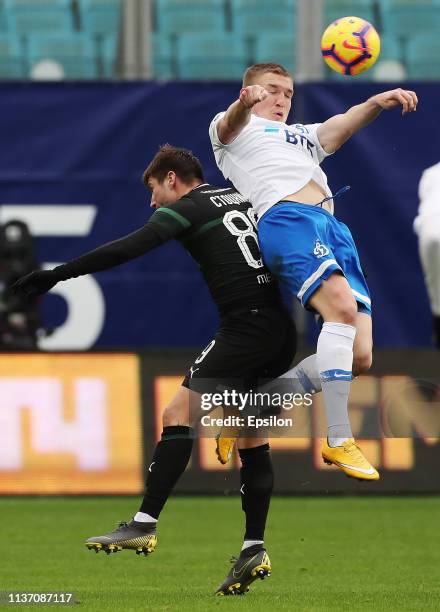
(171, 178)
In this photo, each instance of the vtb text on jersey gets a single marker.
(270, 160)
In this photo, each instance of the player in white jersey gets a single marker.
(277, 167)
(427, 227)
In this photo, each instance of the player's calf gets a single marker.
(362, 362)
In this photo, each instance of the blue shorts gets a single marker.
(302, 245)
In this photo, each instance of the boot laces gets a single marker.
(121, 525)
(354, 451)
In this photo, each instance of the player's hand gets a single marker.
(397, 97)
(35, 283)
(251, 95)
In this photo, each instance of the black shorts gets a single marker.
(251, 345)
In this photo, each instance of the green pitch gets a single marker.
(327, 554)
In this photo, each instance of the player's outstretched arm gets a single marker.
(239, 113)
(104, 257)
(338, 129)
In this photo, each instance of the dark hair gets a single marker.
(254, 71)
(181, 161)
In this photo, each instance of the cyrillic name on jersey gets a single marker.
(229, 198)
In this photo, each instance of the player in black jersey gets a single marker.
(254, 340)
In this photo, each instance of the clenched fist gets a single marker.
(251, 95)
(35, 283)
(397, 97)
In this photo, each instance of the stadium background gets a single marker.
(90, 89)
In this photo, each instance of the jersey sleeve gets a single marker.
(112, 254)
(215, 141)
(164, 224)
(310, 130)
(429, 185)
(423, 186)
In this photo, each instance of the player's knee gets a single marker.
(174, 414)
(345, 310)
(337, 303)
(362, 361)
(168, 417)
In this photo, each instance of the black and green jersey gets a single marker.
(217, 227)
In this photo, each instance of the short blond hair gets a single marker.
(256, 70)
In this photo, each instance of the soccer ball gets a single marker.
(350, 45)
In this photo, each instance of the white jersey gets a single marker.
(427, 226)
(270, 160)
(429, 192)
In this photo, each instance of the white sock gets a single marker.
(334, 357)
(302, 379)
(248, 543)
(304, 376)
(333, 442)
(142, 517)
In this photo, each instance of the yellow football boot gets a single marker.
(226, 439)
(349, 459)
(224, 447)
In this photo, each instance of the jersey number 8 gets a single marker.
(230, 222)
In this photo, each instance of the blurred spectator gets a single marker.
(427, 227)
(19, 318)
(47, 70)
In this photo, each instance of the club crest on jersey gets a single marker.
(320, 250)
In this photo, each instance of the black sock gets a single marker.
(256, 489)
(436, 328)
(167, 465)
